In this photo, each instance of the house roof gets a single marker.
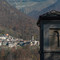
(52, 15)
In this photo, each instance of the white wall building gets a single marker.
(2, 37)
(0, 43)
(34, 43)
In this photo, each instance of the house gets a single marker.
(2, 37)
(33, 43)
(36, 43)
(0, 42)
(4, 42)
(11, 45)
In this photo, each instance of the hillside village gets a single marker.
(9, 41)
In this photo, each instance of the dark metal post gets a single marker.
(41, 42)
(58, 38)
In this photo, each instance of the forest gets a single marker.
(21, 53)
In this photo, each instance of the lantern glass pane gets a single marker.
(52, 37)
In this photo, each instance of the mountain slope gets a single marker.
(16, 23)
(55, 6)
(31, 7)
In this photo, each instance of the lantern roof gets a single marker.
(51, 15)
